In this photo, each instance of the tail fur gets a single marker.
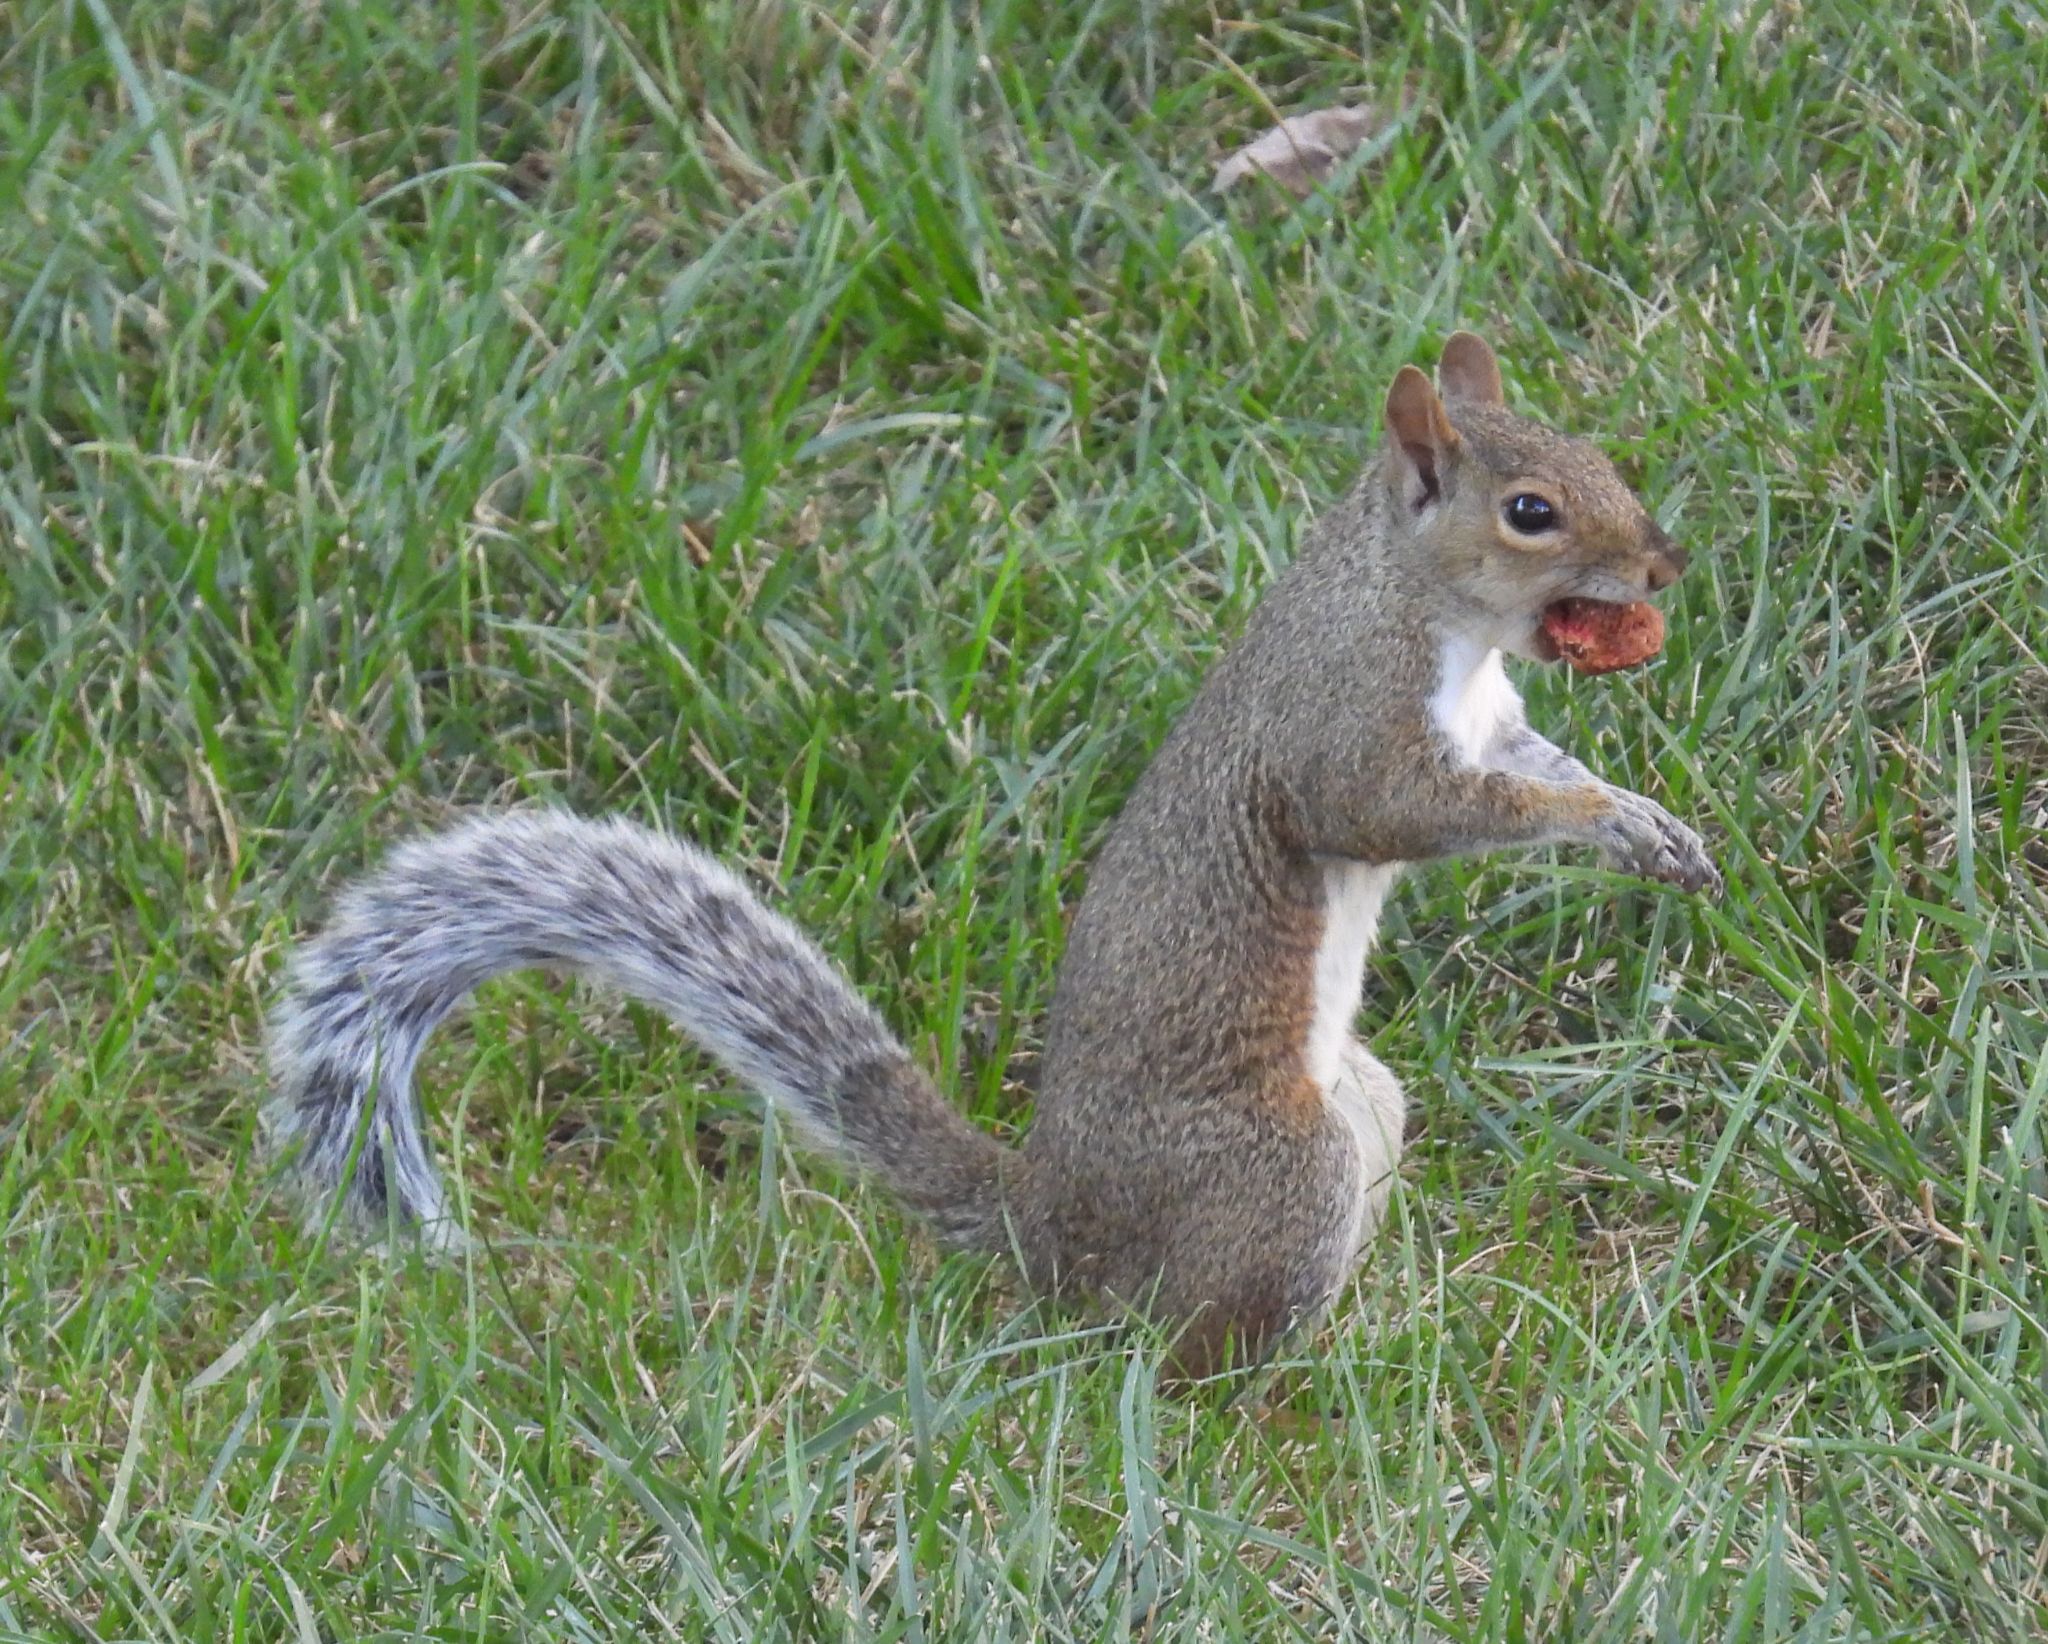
(639, 912)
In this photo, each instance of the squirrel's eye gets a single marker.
(1529, 513)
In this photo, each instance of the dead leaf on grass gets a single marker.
(1302, 150)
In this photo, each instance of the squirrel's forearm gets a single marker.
(1444, 810)
(1529, 753)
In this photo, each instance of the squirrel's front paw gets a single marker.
(1642, 837)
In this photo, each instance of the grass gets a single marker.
(843, 434)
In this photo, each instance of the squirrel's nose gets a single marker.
(1667, 565)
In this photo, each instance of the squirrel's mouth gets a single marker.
(1597, 636)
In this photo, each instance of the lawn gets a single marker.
(843, 433)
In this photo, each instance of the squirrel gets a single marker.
(1212, 1146)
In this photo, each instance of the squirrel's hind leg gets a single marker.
(1264, 1252)
(1310, 1242)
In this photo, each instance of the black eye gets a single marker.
(1529, 514)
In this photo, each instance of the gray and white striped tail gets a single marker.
(631, 909)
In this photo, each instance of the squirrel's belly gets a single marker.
(1353, 893)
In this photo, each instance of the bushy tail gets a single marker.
(647, 915)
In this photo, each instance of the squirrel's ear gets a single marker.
(1469, 370)
(1421, 444)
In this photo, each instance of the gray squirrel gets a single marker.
(1212, 1145)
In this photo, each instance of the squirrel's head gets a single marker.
(1509, 514)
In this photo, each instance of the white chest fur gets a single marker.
(1353, 893)
(1473, 697)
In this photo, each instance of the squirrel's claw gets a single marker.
(1644, 838)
